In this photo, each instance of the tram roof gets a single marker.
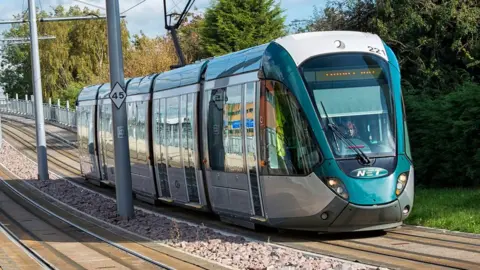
(88, 93)
(222, 66)
(132, 86)
(104, 91)
(144, 85)
(235, 63)
(187, 75)
(140, 85)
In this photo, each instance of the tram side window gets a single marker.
(288, 143)
(233, 130)
(141, 110)
(408, 150)
(132, 129)
(141, 115)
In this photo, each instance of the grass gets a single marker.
(451, 209)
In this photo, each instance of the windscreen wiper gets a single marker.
(348, 141)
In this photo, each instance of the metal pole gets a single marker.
(32, 101)
(49, 109)
(57, 19)
(1, 135)
(178, 49)
(37, 87)
(123, 177)
(24, 40)
(57, 111)
(67, 110)
(74, 18)
(11, 21)
(26, 103)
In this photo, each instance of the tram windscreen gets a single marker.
(356, 94)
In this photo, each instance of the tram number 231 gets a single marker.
(376, 50)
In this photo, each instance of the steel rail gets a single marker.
(120, 247)
(34, 255)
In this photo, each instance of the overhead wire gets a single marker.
(188, 6)
(100, 7)
(89, 4)
(133, 7)
(175, 5)
(177, 10)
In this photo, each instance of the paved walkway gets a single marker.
(53, 130)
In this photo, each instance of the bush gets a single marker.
(70, 93)
(445, 137)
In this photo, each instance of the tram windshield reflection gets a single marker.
(355, 91)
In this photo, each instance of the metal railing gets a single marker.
(53, 113)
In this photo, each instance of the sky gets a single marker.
(148, 16)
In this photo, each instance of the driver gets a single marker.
(352, 131)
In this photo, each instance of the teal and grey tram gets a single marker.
(307, 132)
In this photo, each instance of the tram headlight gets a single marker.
(337, 186)
(401, 183)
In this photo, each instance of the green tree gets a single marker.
(54, 54)
(15, 72)
(437, 42)
(149, 55)
(445, 137)
(77, 56)
(15, 77)
(89, 49)
(190, 39)
(232, 25)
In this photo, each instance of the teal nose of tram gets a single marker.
(372, 201)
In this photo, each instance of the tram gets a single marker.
(307, 132)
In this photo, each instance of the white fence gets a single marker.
(53, 113)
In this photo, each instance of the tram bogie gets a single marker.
(306, 132)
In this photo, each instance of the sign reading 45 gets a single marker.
(118, 95)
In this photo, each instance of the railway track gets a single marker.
(407, 247)
(63, 241)
(14, 253)
(59, 243)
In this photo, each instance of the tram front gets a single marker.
(347, 85)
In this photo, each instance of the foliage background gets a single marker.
(437, 43)
(78, 56)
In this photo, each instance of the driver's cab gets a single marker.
(353, 91)
(368, 133)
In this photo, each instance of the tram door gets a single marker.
(232, 170)
(176, 176)
(177, 168)
(102, 129)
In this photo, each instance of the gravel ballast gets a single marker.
(233, 251)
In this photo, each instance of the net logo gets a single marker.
(368, 172)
